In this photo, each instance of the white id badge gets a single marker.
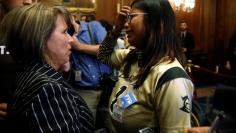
(77, 75)
(117, 113)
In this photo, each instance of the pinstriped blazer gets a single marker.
(44, 102)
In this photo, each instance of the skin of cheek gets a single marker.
(55, 57)
(138, 32)
(57, 49)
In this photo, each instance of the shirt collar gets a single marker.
(44, 68)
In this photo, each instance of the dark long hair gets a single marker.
(160, 38)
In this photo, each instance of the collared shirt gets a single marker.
(91, 68)
(183, 34)
(44, 102)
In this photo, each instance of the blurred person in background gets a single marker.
(7, 65)
(186, 40)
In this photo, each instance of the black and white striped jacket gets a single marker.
(44, 102)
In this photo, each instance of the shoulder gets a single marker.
(165, 64)
(167, 71)
(96, 25)
(34, 81)
(47, 86)
(53, 86)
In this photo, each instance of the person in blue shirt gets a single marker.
(85, 60)
(87, 69)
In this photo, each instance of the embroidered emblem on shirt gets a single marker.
(186, 104)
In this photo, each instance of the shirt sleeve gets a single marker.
(55, 109)
(99, 31)
(108, 55)
(106, 49)
(173, 105)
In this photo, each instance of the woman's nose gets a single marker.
(27, 2)
(126, 24)
(70, 40)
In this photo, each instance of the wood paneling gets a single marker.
(208, 18)
(106, 9)
(225, 26)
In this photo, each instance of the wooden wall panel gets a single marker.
(208, 30)
(225, 26)
(106, 9)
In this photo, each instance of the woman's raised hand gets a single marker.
(121, 17)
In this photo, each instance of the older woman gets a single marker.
(36, 35)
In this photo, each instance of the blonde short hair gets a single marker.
(26, 29)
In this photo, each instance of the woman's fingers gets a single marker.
(121, 19)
